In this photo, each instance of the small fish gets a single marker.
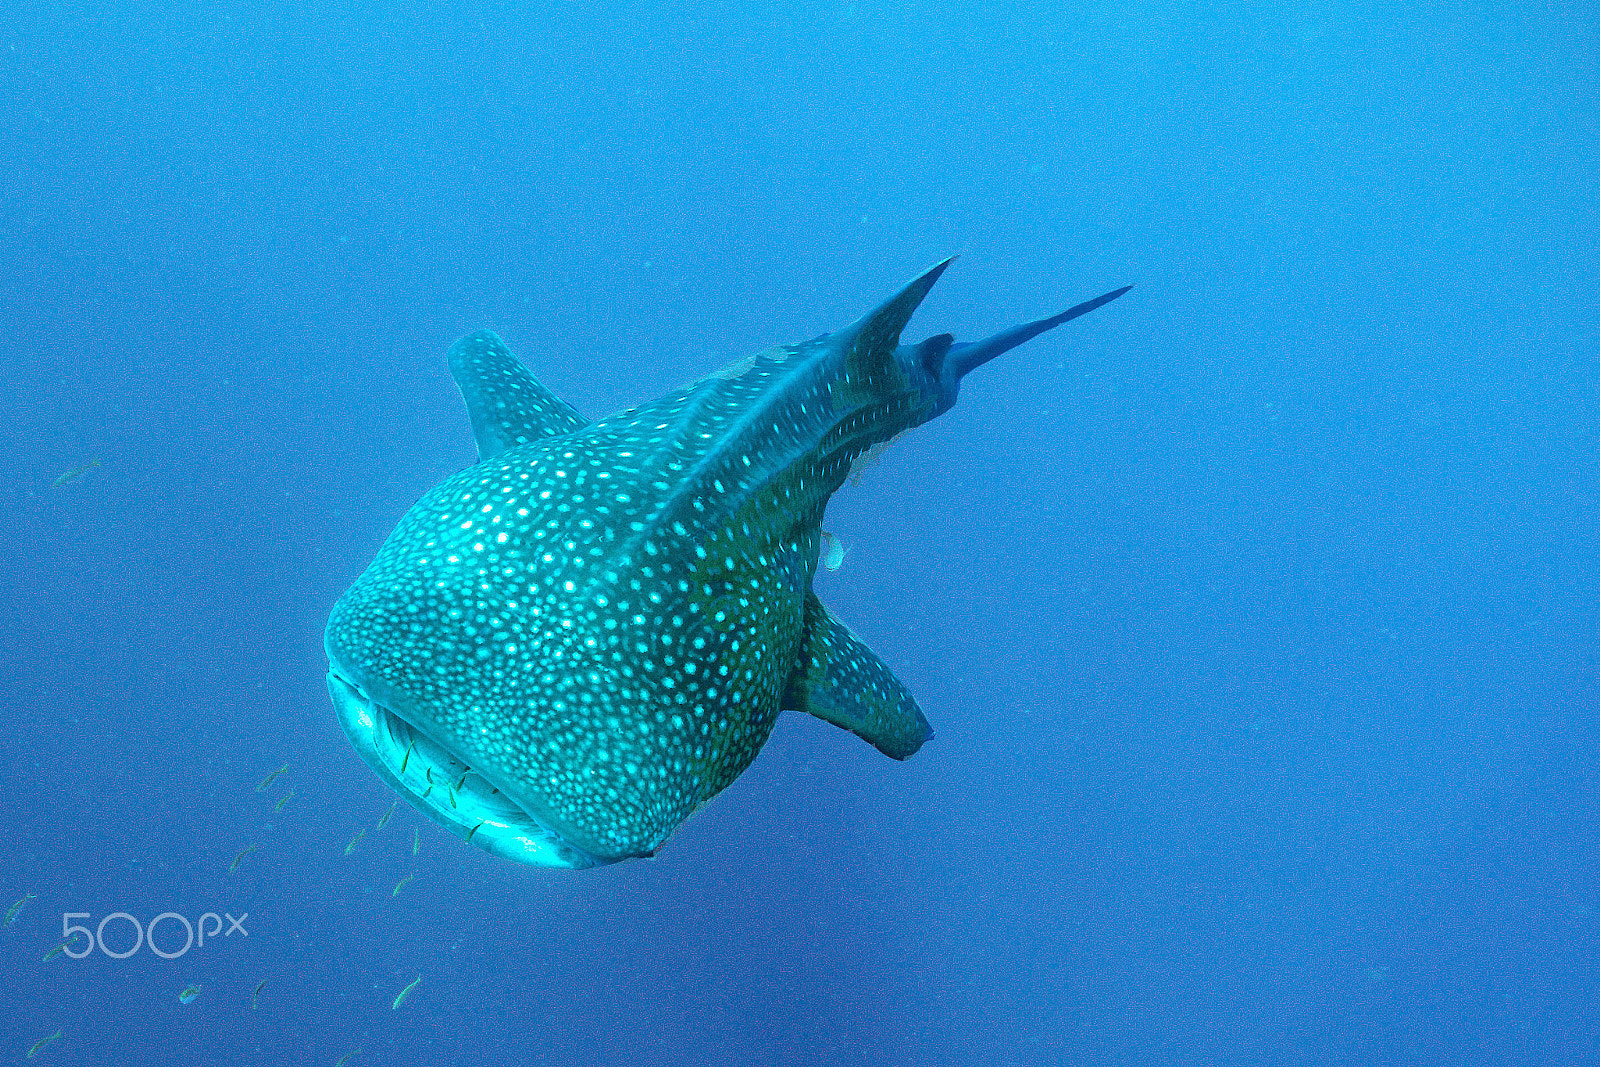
(286, 798)
(402, 997)
(351, 847)
(59, 949)
(256, 992)
(234, 866)
(383, 820)
(188, 994)
(273, 777)
(416, 840)
(342, 1060)
(401, 885)
(867, 460)
(833, 551)
(41, 1043)
(75, 473)
(11, 912)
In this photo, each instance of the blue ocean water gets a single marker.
(1255, 613)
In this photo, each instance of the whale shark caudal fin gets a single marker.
(507, 405)
(840, 680)
(966, 357)
(872, 338)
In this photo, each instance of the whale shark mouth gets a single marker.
(443, 786)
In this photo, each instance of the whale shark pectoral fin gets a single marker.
(840, 680)
(507, 405)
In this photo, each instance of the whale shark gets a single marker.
(565, 650)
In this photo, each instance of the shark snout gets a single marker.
(437, 781)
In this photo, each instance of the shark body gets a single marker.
(566, 649)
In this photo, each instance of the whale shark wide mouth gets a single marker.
(444, 787)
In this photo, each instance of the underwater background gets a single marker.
(1255, 613)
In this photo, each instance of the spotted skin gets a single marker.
(563, 651)
(507, 405)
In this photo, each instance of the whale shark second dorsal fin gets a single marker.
(840, 680)
(508, 406)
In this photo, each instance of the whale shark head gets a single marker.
(564, 650)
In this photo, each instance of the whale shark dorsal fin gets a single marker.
(507, 405)
(840, 680)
